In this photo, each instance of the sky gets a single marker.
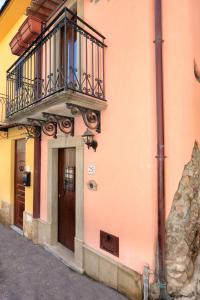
(2, 3)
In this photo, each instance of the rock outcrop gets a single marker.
(183, 234)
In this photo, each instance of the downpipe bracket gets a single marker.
(163, 292)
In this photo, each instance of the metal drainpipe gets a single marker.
(160, 151)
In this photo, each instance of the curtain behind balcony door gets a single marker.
(68, 64)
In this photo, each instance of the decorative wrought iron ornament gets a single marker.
(48, 128)
(65, 124)
(91, 118)
(32, 131)
(2, 107)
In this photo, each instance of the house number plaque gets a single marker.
(91, 169)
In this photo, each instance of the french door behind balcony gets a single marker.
(29, 79)
(38, 76)
(68, 55)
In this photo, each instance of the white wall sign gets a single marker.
(91, 169)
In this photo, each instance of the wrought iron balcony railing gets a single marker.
(2, 108)
(69, 54)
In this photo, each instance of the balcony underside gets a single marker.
(56, 104)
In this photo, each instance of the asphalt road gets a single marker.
(28, 272)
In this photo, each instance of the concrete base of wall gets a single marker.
(113, 274)
(44, 233)
(5, 213)
(30, 227)
(36, 230)
(96, 265)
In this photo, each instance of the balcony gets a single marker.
(2, 108)
(66, 61)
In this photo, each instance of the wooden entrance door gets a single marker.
(66, 197)
(19, 204)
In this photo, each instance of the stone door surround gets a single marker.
(52, 192)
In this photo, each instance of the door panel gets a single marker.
(19, 187)
(66, 197)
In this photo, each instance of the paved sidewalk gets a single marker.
(28, 272)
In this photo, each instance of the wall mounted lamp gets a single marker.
(88, 138)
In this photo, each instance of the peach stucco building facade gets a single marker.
(122, 160)
(123, 202)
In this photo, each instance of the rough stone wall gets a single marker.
(183, 234)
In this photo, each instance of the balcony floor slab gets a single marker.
(56, 104)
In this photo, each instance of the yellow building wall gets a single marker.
(5, 170)
(7, 163)
(7, 167)
(10, 16)
(6, 57)
(10, 21)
